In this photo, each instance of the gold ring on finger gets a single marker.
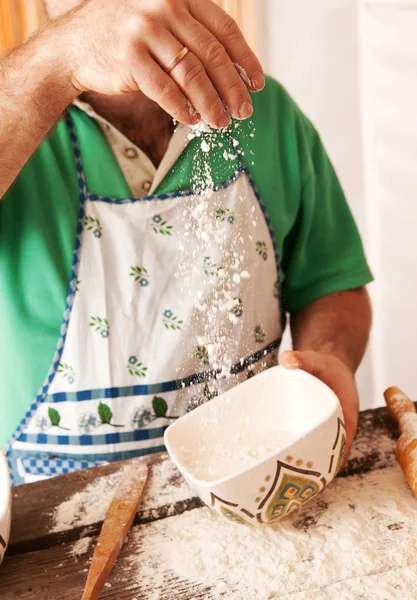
(177, 59)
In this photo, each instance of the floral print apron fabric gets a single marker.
(173, 299)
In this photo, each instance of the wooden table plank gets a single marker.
(54, 572)
(34, 504)
(375, 443)
(47, 579)
(57, 574)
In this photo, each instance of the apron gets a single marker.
(173, 299)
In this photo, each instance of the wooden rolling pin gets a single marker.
(117, 523)
(403, 411)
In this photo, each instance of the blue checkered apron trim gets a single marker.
(49, 467)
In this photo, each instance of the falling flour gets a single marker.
(356, 541)
(208, 220)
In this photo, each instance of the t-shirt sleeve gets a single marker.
(323, 253)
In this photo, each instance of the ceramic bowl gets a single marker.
(264, 448)
(5, 505)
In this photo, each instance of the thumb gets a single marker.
(319, 365)
(307, 361)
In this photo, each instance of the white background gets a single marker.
(352, 67)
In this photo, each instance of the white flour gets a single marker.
(81, 546)
(214, 459)
(400, 403)
(219, 305)
(356, 541)
(243, 74)
(408, 423)
(89, 506)
(165, 486)
(86, 507)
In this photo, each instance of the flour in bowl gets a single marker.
(213, 460)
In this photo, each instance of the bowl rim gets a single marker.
(211, 484)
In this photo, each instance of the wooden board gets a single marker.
(374, 447)
(56, 574)
(41, 564)
(34, 505)
(375, 443)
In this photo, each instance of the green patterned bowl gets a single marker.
(264, 448)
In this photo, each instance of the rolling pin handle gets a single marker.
(398, 403)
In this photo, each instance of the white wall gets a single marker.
(312, 47)
(389, 84)
(352, 66)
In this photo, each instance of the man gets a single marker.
(119, 313)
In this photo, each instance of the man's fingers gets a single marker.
(191, 76)
(226, 30)
(218, 65)
(160, 87)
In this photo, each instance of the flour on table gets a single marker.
(356, 541)
(87, 506)
(165, 486)
(81, 546)
(370, 436)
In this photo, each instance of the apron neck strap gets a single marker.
(77, 155)
(79, 162)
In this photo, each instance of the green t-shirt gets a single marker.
(318, 243)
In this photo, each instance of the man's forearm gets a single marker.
(337, 324)
(35, 88)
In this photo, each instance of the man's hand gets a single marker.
(111, 47)
(124, 46)
(329, 338)
(338, 376)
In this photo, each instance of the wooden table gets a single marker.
(42, 561)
